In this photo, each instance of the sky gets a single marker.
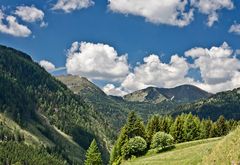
(128, 45)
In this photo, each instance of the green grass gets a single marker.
(227, 151)
(189, 153)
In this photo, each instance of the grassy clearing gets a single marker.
(13, 126)
(189, 153)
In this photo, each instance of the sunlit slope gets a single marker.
(189, 153)
(227, 151)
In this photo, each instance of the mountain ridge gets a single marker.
(182, 93)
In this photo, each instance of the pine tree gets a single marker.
(153, 126)
(221, 126)
(214, 131)
(93, 156)
(134, 126)
(205, 129)
(166, 123)
(191, 128)
(176, 129)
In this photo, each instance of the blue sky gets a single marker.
(129, 31)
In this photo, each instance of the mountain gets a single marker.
(50, 115)
(145, 102)
(113, 111)
(223, 103)
(183, 93)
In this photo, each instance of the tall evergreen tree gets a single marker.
(176, 129)
(191, 127)
(153, 126)
(93, 156)
(166, 123)
(133, 127)
(221, 126)
(205, 128)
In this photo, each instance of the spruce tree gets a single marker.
(221, 126)
(153, 126)
(133, 127)
(205, 129)
(176, 129)
(93, 156)
(166, 123)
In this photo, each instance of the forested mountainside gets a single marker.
(183, 93)
(47, 109)
(57, 120)
(145, 102)
(223, 103)
(115, 109)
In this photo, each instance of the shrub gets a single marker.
(161, 140)
(134, 147)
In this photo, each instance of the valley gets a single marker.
(60, 116)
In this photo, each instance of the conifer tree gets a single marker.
(153, 126)
(176, 129)
(221, 126)
(166, 123)
(134, 126)
(93, 156)
(190, 127)
(214, 131)
(205, 128)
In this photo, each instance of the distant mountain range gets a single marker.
(183, 93)
(223, 103)
(181, 99)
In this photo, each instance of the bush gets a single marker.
(134, 147)
(161, 140)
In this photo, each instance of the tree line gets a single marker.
(135, 139)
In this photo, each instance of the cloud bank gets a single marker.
(171, 12)
(218, 66)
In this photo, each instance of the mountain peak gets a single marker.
(182, 93)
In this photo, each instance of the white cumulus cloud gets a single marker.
(218, 67)
(71, 5)
(170, 12)
(211, 8)
(96, 61)
(47, 65)
(29, 13)
(153, 72)
(12, 27)
(235, 28)
(110, 89)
